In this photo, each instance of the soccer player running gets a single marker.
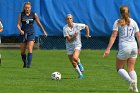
(27, 35)
(127, 29)
(73, 42)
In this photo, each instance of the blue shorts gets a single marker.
(26, 38)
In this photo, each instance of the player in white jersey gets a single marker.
(73, 42)
(127, 29)
(1, 27)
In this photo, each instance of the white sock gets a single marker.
(133, 75)
(124, 74)
(78, 61)
(78, 70)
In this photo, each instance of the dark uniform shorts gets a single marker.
(27, 37)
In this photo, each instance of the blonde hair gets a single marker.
(26, 3)
(124, 15)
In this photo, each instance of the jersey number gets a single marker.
(128, 31)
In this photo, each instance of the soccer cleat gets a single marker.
(24, 66)
(131, 85)
(28, 66)
(80, 76)
(81, 67)
(136, 90)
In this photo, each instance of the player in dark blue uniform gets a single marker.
(27, 35)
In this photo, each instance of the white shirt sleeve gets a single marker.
(1, 26)
(80, 26)
(65, 33)
(115, 26)
(136, 27)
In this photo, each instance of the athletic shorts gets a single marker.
(124, 54)
(71, 49)
(26, 38)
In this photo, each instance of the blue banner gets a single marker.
(99, 15)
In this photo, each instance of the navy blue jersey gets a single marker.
(27, 22)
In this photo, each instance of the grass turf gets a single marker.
(100, 75)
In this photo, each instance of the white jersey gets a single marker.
(1, 26)
(67, 31)
(127, 34)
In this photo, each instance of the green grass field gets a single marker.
(100, 75)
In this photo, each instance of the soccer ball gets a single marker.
(56, 76)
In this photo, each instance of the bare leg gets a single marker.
(74, 59)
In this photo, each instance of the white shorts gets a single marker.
(124, 54)
(70, 50)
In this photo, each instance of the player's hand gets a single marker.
(139, 51)
(88, 36)
(75, 34)
(22, 32)
(45, 34)
(106, 53)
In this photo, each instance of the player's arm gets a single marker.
(111, 42)
(18, 25)
(1, 27)
(71, 38)
(87, 31)
(138, 39)
(40, 25)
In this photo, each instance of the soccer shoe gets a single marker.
(81, 67)
(24, 66)
(80, 76)
(131, 85)
(136, 90)
(28, 66)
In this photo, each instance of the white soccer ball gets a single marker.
(56, 76)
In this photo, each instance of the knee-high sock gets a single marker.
(78, 70)
(133, 75)
(29, 59)
(23, 58)
(124, 74)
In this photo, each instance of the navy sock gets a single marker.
(29, 59)
(23, 58)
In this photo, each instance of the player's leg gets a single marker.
(23, 53)
(71, 60)
(75, 56)
(122, 56)
(75, 65)
(120, 68)
(130, 64)
(75, 59)
(80, 65)
(30, 45)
